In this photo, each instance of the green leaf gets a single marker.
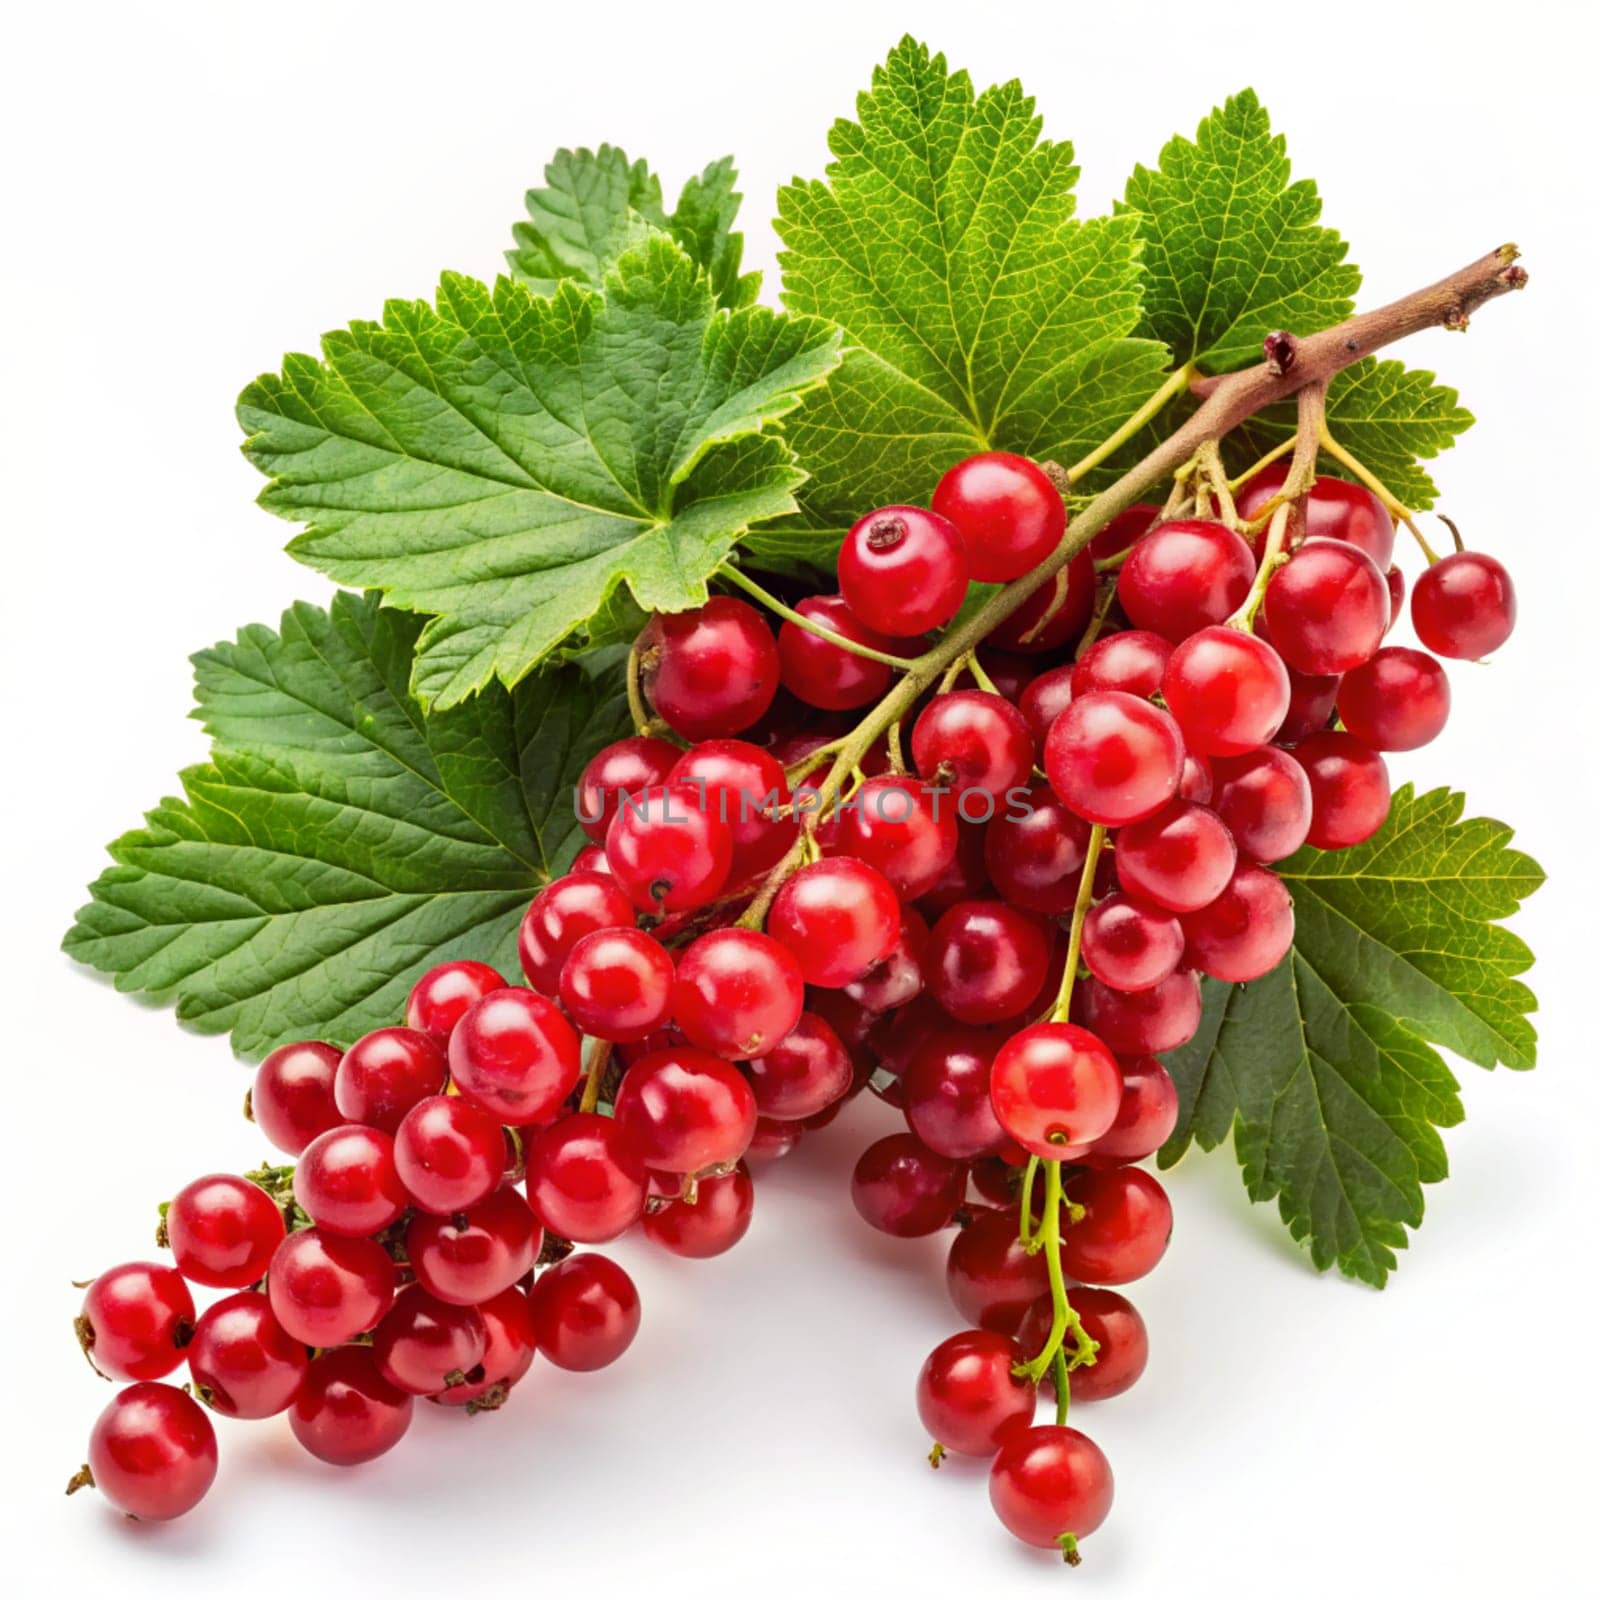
(338, 843)
(980, 313)
(1325, 1070)
(597, 205)
(1388, 416)
(1233, 249)
(504, 462)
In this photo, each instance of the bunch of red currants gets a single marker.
(991, 905)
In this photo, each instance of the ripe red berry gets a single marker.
(584, 1181)
(745, 787)
(1034, 851)
(1180, 859)
(1144, 1022)
(968, 1398)
(222, 1231)
(1051, 1486)
(1130, 946)
(387, 1072)
(1008, 512)
(906, 829)
(584, 1312)
(424, 1345)
(616, 984)
(346, 1182)
(1184, 576)
(946, 1089)
(1055, 1087)
(1399, 700)
(683, 1110)
(1145, 1118)
(1464, 606)
(471, 1257)
(714, 1221)
(449, 1154)
(346, 1411)
(773, 1139)
(628, 767)
(1333, 509)
(737, 993)
(1264, 798)
(1349, 789)
(711, 671)
(1228, 691)
(838, 918)
(668, 851)
(562, 913)
(987, 960)
(242, 1362)
(1045, 698)
(515, 1056)
(993, 1278)
(806, 1072)
(152, 1453)
(1113, 758)
(291, 1100)
(326, 1288)
(1311, 698)
(903, 570)
(135, 1320)
(898, 978)
(442, 993)
(1054, 615)
(972, 740)
(507, 1354)
(1246, 931)
(1112, 1322)
(822, 674)
(901, 1187)
(1132, 661)
(1122, 530)
(1124, 1229)
(1327, 607)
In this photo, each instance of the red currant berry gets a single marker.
(1264, 799)
(773, 1139)
(823, 674)
(973, 740)
(906, 829)
(472, 1257)
(425, 1346)
(1121, 532)
(1399, 700)
(898, 978)
(387, 1072)
(993, 1278)
(1132, 662)
(346, 1411)
(1055, 1087)
(1184, 576)
(667, 851)
(561, 914)
(584, 1181)
(628, 767)
(1051, 1486)
(291, 1100)
(441, 994)
(903, 570)
(515, 1056)
(1008, 513)
(901, 1187)
(1396, 580)
(346, 1182)
(714, 1221)
(1349, 789)
(152, 1453)
(326, 1288)
(1327, 607)
(1045, 698)
(507, 1354)
(737, 993)
(1130, 946)
(222, 1231)
(1228, 690)
(1196, 782)
(745, 787)
(1333, 509)
(967, 1396)
(1113, 1323)
(946, 1090)
(1124, 1229)
(964, 879)
(1034, 851)
(1246, 931)
(616, 984)
(449, 1154)
(1311, 701)
(838, 918)
(584, 1311)
(242, 1362)
(1180, 859)
(1145, 1118)
(805, 1073)
(683, 1110)
(1113, 758)
(711, 671)
(987, 961)
(1054, 615)
(1144, 1022)
(135, 1321)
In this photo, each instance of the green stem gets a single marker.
(643, 722)
(1080, 910)
(1276, 453)
(1058, 1374)
(1025, 1227)
(1176, 383)
(810, 624)
(1272, 557)
(599, 1055)
(1064, 1318)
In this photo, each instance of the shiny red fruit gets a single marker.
(326, 1288)
(242, 1362)
(806, 1072)
(903, 570)
(584, 1312)
(1034, 850)
(387, 1072)
(967, 1396)
(905, 828)
(443, 993)
(1112, 1322)
(737, 993)
(136, 1320)
(1124, 1229)
(1055, 1086)
(714, 1222)
(425, 1346)
(291, 1100)
(1054, 615)
(1264, 799)
(838, 918)
(1246, 931)
(477, 1254)
(1145, 1117)
(1327, 607)
(222, 1231)
(1229, 691)
(347, 1412)
(1464, 606)
(668, 850)
(946, 1090)
(900, 1186)
(628, 767)
(821, 673)
(745, 787)
(1130, 946)
(1399, 700)
(450, 1155)
(1349, 789)
(585, 1182)
(347, 1182)
(972, 740)
(1113, 758)
(562, 913)
(987, 961)
(1333, 509)
(1008, 512)
(152, 1452)
(992, 1277)
(1184, 576)
(515, 1056)
(684, 1110)
(711, 671)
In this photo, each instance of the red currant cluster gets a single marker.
(777, 909)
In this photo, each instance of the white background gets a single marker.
(193, 190)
